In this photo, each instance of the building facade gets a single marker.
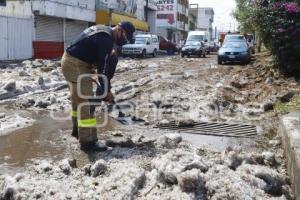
(205, 18)
(42, 28)
(140, 12)
(45, 28)
(16, 30)
(172, 19)
(58, 22)
(192, 22)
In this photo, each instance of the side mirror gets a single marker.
(148, 43)
(249, 40)
(205, 40)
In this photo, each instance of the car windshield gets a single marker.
(234, 37)
(192, 43)
(196, 37)
(235, 45)
(250, 37)
(140, 40)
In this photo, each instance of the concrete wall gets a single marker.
(15, 38)
(86, 4)
(152, 21)
(289, 130)
(203, 20)
(57, 9)
(18, 9)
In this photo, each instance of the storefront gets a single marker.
(122, 10)
(56, 25)
(102, 17)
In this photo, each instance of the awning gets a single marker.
(102, 17)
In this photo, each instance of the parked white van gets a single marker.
(144, 44)
(200, 36)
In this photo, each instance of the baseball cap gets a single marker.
(129, 28)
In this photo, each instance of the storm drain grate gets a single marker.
(214, 129)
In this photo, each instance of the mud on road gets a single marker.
(40, 159)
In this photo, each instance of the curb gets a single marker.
(289, 130)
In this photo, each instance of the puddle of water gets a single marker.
(218, 143)
(43, 140)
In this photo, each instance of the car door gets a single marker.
(155, 43)
(151, 47)
(148, 45)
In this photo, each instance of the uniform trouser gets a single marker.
(80, 90)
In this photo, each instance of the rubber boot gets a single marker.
(93, 147)
(75, 127)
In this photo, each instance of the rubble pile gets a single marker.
(231, 174)
(143, 161)
(30, 77)
(259, 85)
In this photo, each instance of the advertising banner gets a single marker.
(166, 13)
(130, 7)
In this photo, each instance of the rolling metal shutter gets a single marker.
(73, 29)
(49, 37)
(15, 38)
(49, 29)
(3, 38)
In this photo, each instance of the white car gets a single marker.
(145, 44)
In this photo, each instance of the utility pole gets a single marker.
(110, 16)
(216, 29)
(111, 6)
(146, 11)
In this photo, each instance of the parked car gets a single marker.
(213, 47)
(236, 51)
(167, 45)
(239, 38)
(235, 38)
(200, 36)
(193, 48)
(144, 44)
(251, 42)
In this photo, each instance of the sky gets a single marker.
(223, 8)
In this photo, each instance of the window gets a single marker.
(154, 40)
(2, 2)
(207, 12)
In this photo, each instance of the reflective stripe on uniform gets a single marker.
(74, 113)
(87, 122)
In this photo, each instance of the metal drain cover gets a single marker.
(212, 128)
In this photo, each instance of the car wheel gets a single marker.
(219, 61)
(143, 55)
(204, 55)
(154, 53)
(172, 51)
(208, 52)
(247, 62)
(182, 55)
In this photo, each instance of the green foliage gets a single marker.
(278, 24)
(243, 14)
(293, 105)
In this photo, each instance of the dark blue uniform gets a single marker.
(96, 50)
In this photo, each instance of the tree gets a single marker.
(243, 14)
